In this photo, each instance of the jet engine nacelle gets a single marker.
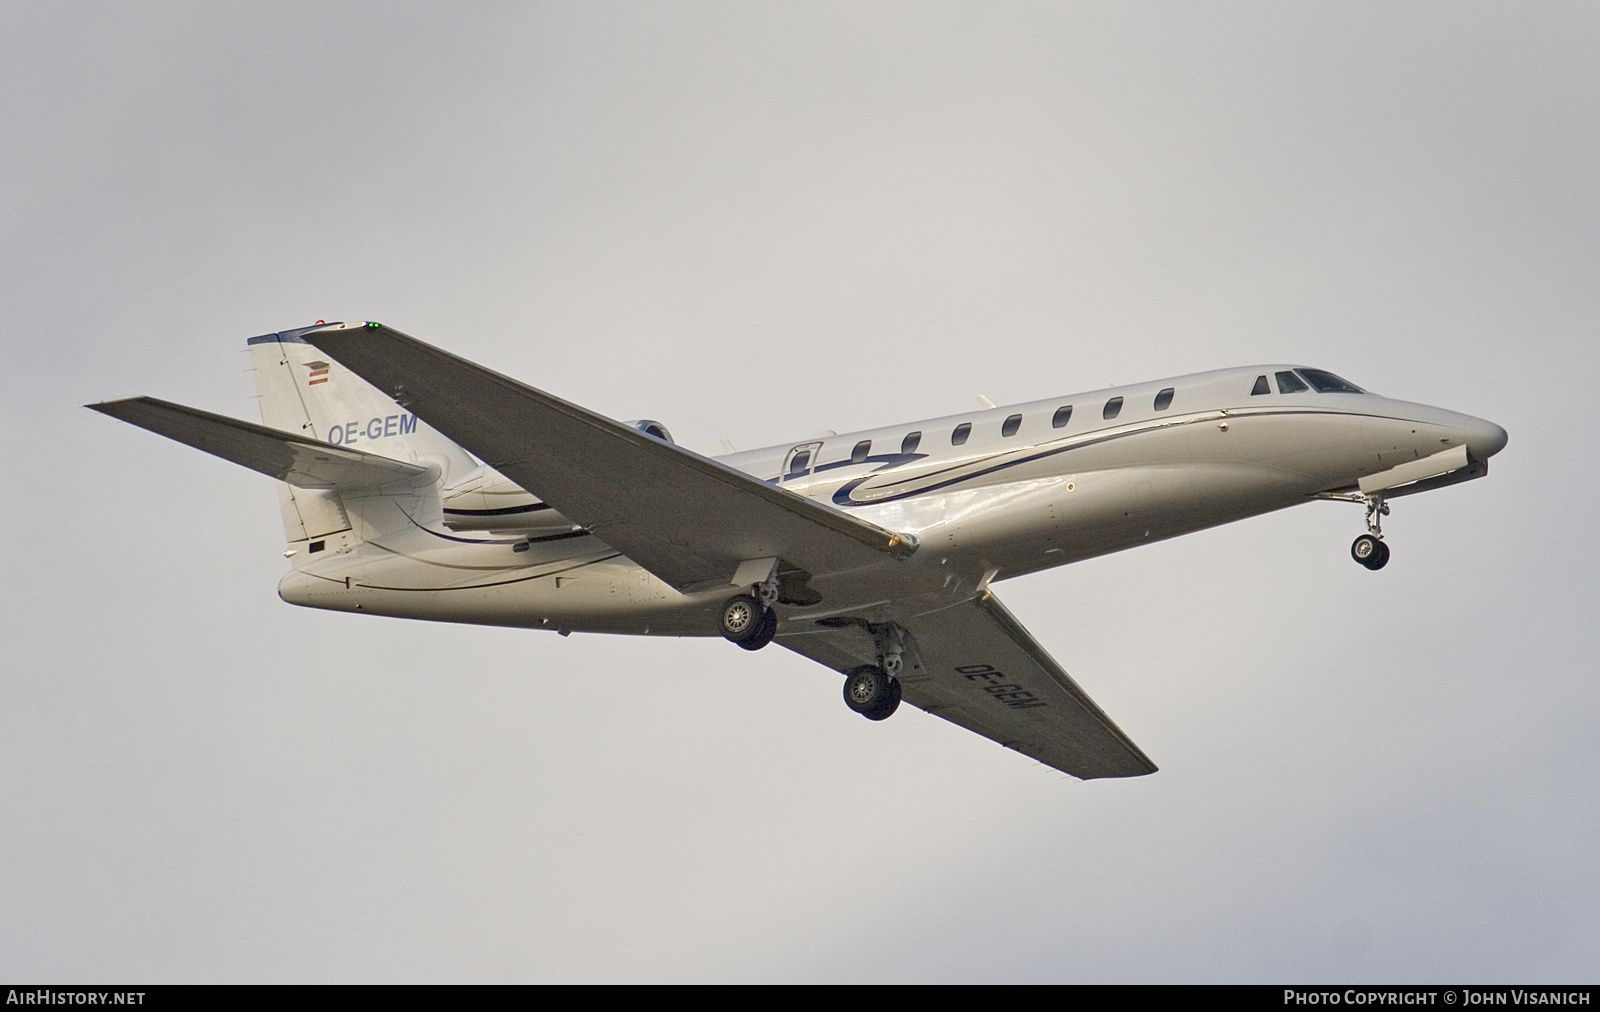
(651, 428)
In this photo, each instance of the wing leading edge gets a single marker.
(684, 517)
(976, 666)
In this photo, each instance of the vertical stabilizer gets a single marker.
(304, 392)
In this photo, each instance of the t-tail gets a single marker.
(352, 464)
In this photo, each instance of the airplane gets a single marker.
(416, 484)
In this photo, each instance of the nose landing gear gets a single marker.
(1369, 549)
(1370, 552)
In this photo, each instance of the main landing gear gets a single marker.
(747, 622)
(871, 691)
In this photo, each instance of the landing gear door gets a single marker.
(798, 464)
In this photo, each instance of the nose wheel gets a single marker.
(1370, 552)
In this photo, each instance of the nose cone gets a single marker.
(1485, 439)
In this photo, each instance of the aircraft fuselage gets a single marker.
(988, 495)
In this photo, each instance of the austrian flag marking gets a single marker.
(319, 372)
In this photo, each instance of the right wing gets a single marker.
(302, 462)
(975, 665)
(684, 517)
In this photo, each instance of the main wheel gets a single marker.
(1369, 551)
(740, 618)
(886, 707)
(764, 632)
(871, 692)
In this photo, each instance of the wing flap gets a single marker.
(684, 517)
(982, 670)
(302, 462)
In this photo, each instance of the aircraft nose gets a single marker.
(1485, 439)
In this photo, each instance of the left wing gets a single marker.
(684, 517)
(975, 665)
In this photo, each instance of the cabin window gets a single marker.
(960, 434)
(316, 546)
(1011, 426)
(1327, 383)
(859, 454)
(1113, 408)
(1260, 387)
(1164, 399)
(1062, 416)
(1289, 383)
(909, 444)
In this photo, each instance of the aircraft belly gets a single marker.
(594, 591)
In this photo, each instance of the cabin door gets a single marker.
(797, 466)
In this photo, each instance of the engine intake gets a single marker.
(652, 428)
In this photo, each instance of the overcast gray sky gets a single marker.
(752, 221)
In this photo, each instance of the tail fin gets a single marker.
(303, 392)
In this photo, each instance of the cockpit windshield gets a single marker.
(1324, 382)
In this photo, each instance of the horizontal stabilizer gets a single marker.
(302, 462)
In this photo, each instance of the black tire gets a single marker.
(886, 707)
(1381, 559)
(1366, 549)
(764, 632)
(865, 687)
(740, 618)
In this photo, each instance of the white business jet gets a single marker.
(416, 484)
